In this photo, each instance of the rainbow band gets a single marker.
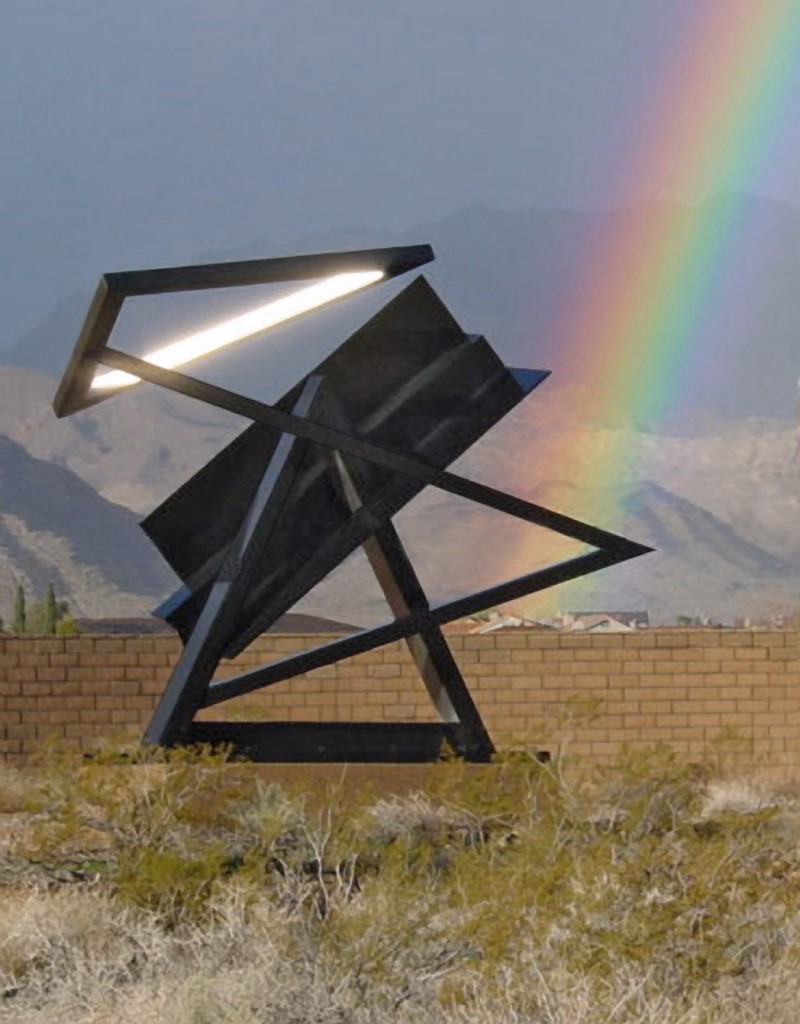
(634, 322)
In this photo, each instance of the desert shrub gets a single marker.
(171, 882)
(186, 890)
(18, 791)
(67, 627)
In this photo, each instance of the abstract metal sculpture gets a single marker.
(316, 475)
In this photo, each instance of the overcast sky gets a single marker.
(147, 132)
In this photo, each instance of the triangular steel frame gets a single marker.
(74, 390)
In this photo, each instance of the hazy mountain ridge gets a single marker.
(721, 508)
(54, 528)
(747, 474)
(718, 539)
(700, 566)
(131, 450)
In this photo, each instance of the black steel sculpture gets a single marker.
(316, 475)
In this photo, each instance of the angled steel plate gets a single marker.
(410, 379)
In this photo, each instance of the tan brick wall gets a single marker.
(590, 694)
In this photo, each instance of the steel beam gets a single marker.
(327, 487)
(367, 640)
(406, 465)
(406, 596)
(185, 691)
(362, 742)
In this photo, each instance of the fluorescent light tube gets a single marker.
(245, 326)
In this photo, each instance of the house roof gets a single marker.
(505, 622)
(628, 618)
(604, 623)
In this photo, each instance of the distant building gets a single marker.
(497, 621)
(602, 622)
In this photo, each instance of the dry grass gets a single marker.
(18, 790)
(188, 894)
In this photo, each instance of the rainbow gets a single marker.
(634, 320)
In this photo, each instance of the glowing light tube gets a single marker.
(245, 326)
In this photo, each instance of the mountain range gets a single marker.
(721, 509)
(718, 496)
(55, 528)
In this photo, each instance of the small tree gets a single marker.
(67, 627)
(50, 612)
(18, 624)
(34, 618)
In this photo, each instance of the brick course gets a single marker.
(589, 694)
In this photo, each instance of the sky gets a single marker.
(160, 131)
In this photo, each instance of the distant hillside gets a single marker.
(134, 450)
(701, 566)
(54, 528)
(721, 504)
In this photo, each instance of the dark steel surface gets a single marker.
(187, 685)
(417, 468)
(391, 261)
(405, 595)
(356, 742)
(432, 396)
